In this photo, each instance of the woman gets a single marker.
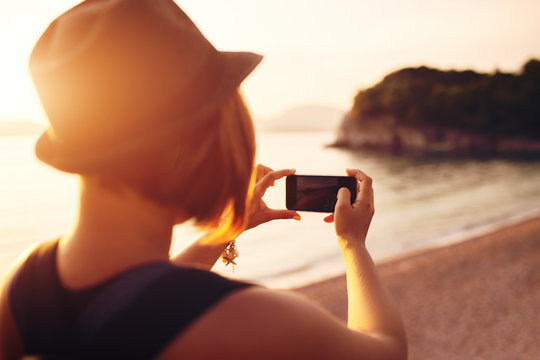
(148, 114)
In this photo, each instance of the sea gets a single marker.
(420, 203)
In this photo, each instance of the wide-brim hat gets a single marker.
(119, 77)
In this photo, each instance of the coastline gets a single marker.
(452, 199)
(334, 267)
(478, 298)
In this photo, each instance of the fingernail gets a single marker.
(293, 170)
(296, 217)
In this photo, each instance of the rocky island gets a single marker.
(426, 110)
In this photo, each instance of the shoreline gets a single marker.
(481, 229)
(307, 276)
(478, 298)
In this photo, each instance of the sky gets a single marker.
(316, 52)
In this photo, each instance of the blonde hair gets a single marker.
(207, 174)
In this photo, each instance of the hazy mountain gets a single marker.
(303, 118)
(12, 127)
(300, 118)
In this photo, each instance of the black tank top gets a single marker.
(133, 315)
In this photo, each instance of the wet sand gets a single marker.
(478, 299)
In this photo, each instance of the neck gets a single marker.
(116, 229)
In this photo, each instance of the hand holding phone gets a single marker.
(352, 222)
(316, 193)
(259, 212)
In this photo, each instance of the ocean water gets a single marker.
(419, 203)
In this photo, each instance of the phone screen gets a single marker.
(316, 193)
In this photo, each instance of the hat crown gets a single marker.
(109, 72)
(105, 57)
(113, 25)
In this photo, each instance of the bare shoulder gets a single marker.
(259, 323)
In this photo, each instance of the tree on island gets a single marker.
(498, 105)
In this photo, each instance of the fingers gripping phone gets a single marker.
(316, 193)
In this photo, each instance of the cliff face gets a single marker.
(429, 110)
(386, 133)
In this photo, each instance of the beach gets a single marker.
(476, 299)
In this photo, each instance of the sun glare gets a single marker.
(315, 51)
(17, 96)
(21, 23)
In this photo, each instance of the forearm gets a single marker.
(371, 308)
(204, 256)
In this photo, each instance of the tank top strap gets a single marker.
(133, 315)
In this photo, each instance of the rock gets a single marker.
(385, 133)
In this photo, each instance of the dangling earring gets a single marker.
(230, 253)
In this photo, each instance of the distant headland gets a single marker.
(428, 110)
(303, 118)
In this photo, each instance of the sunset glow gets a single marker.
(381, 159)
(315, 52)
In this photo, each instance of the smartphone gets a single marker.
(316, 193)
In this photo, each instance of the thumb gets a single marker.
(343, 198)
(283, 214)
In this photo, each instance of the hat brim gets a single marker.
(236, 66)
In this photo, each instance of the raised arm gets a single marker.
(371, 308)
(259, 323)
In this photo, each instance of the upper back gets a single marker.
(265, 324)
(131, 315)
(177, 313)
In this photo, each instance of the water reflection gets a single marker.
(419, 202)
